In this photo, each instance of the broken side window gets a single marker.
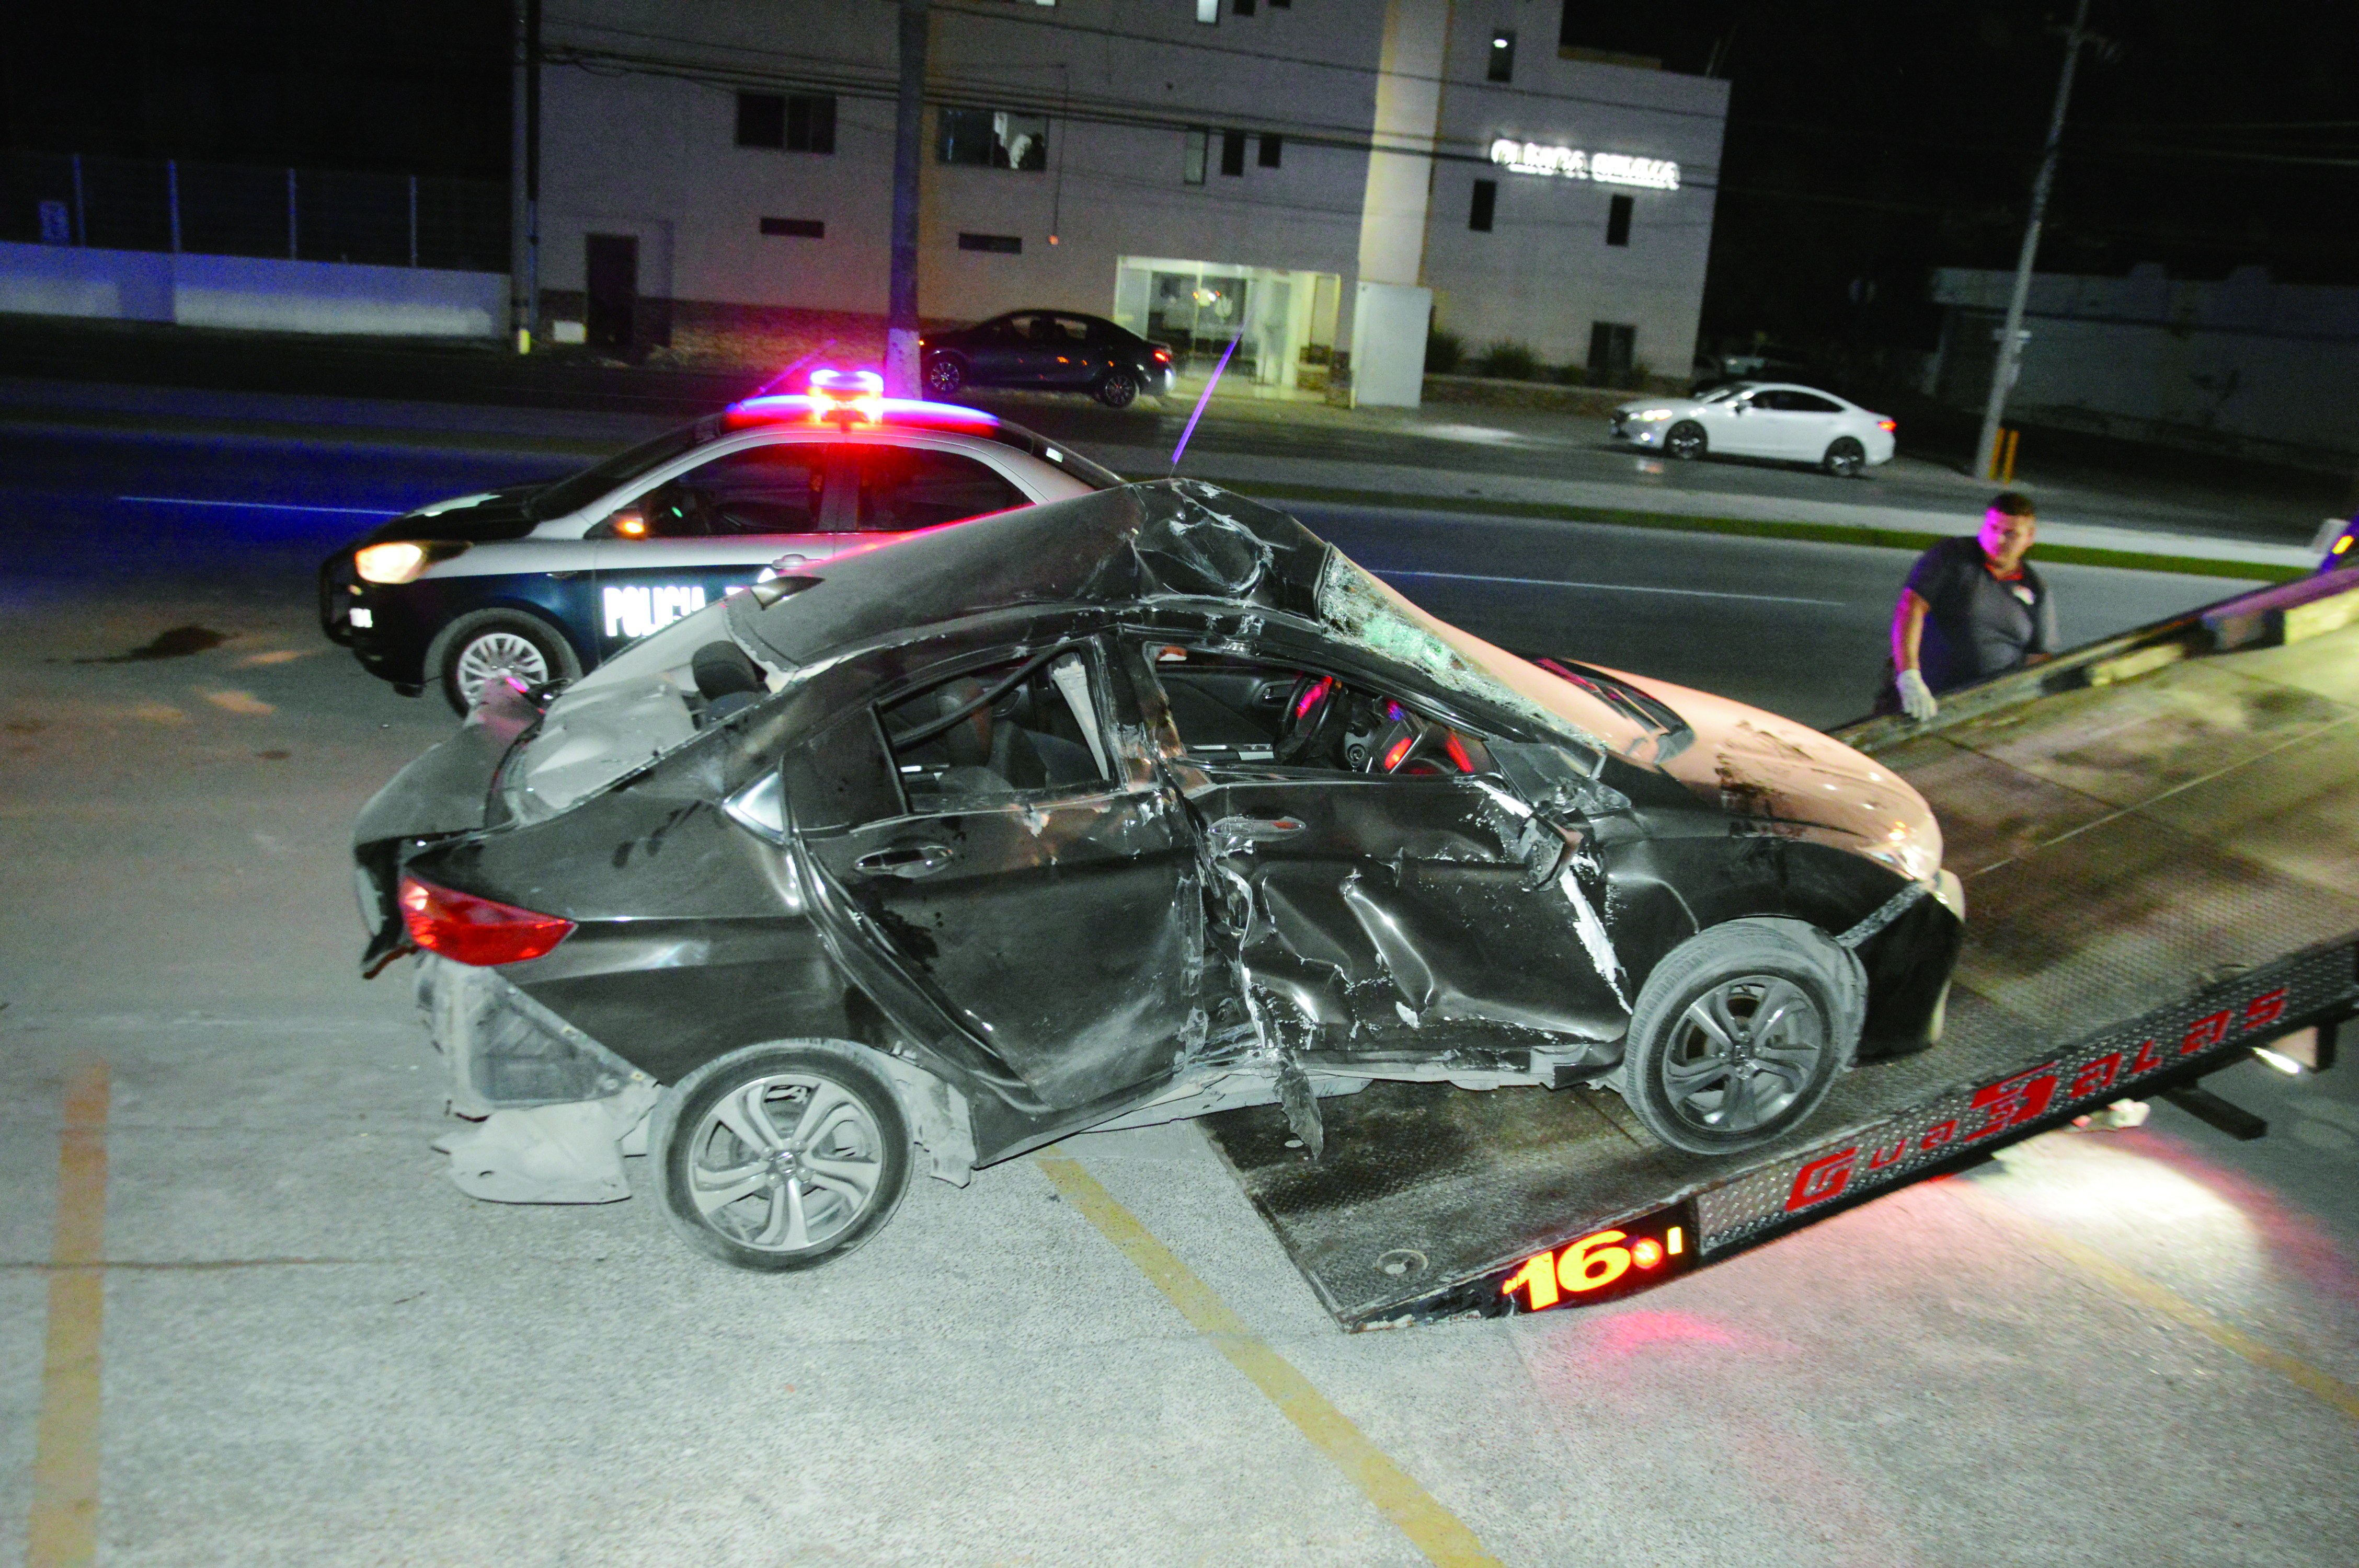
(1029, 723)
(1232, 709)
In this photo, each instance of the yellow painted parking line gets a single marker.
(64, 1526)
(2169, 1302)
(1431, 1527)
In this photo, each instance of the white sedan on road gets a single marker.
(1760, 419)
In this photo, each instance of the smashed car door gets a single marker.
(1385, 884)
(1036, 883)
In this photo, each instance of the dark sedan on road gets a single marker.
(1118, 810)
(1055, 351)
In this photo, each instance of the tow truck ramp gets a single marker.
(2159, 841)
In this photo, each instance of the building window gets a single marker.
(791, 122)
(1243, 7)
(1272, 148)
(987, 138)
(1613, 346)
(1486, 200)
(1503, 55)
(1198, 138)
(1233, 152)
(998, 244)
(1209, 12)
(795, 228)
(1618, 221)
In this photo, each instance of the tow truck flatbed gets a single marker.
(2159, 841)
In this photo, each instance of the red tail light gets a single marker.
(1887, 424)
(1163, 356)
(476, 930)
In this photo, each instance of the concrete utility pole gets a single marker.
(901, 368)
(524, 158)
(2010, 342)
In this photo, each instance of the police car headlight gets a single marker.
(399, 561)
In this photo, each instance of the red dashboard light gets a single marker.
(474, 930)
(1645, 1254)
(1396, 751)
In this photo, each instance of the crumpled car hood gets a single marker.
(1773, 771)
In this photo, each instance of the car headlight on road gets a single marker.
(399, 561)
(1652, 414)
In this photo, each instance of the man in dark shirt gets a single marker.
(1973, 607)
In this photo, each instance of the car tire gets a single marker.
(1685, 440)
(1118, 389)
(724, 1120)
(475, 648)
(945, 374)
(1695, 1071)
(1845, 458)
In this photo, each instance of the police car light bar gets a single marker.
(857, 404)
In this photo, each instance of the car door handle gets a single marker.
(905, 861)
(1233, 830)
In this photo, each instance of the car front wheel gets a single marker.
(1685, 440)
(497, 645)
(781, 1156)
(1845, 458)
(1739, 1033)
(944, 375)
(1118, 389)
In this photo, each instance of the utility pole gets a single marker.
(524, 154)
(2010, 342)
(901, 367)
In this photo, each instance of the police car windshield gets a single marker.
(577, 491)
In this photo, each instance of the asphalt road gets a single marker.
(1795, 627)
(306, 1346)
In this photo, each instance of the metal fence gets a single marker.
(238, 210)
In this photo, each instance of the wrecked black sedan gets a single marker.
(1107, 812)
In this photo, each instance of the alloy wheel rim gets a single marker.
(1743, 1053)
(497, 654)
(785, 1163)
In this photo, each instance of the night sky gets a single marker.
(1865, 145)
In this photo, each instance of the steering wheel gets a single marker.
(1308, 707)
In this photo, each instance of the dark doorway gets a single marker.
(614, 268)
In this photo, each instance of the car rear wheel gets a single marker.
(945, 374)
(1118, 389)
(1845, 458)
(494, 644)
(781, 1156)
(1739, 1033)
(1685, 440)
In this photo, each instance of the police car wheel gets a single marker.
(492, 645)
(1738, 1034)
(1845, 458)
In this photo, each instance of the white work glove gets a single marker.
(1915, 696)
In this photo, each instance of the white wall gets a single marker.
(251, 292)
(2241, 362)
(1544, 273)
(629, 150)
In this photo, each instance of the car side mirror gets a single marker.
(1553, 778)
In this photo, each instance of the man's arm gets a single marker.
(1907, 629)
(1907, 632)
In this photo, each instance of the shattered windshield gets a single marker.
(1372, 613)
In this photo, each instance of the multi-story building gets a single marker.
(1299, 178)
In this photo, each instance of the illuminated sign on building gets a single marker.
(1571, 163)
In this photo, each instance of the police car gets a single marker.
(542, 583)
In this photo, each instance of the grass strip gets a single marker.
(1748, 527)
